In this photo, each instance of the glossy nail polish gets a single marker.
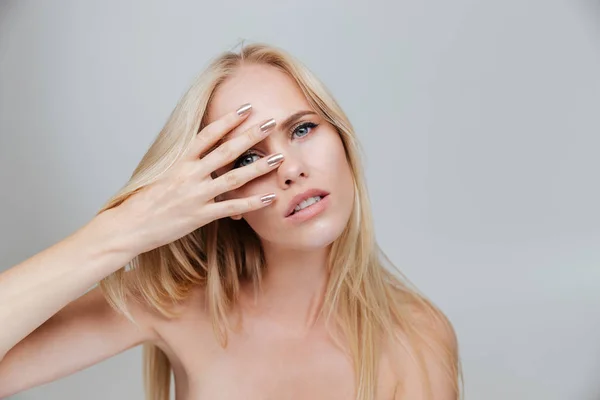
(268, 198)
(244, 109)
(274, 160)
(268, 125)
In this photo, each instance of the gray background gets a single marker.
(480, 121)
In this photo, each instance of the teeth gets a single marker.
(308, 202)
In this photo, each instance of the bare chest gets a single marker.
(262, 367)
(301, 371)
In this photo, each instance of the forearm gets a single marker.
(37, 288)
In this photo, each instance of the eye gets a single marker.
(299, 131)
(303, 129)
(246, 159)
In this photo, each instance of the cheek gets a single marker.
(329, 157)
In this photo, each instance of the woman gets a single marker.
(251, 266)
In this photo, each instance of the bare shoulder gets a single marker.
(425, 355)
(185, 333)
(185, 315)
(154, 319)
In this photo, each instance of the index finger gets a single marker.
(211, 133)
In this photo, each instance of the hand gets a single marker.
(182, 200)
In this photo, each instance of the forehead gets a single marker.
(272, 93)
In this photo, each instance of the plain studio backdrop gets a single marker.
(480, 123)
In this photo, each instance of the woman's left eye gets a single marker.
(303, 129)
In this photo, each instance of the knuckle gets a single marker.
(202, 138)
(254, 134)
(258, 169)
(204, 213)
(263, 166)
(220, 126)
(207, 151)
(208, 131)
(216, 128)
(232, 119)
(232, 180)
(232, 208)
(201, 143)
(226, 151)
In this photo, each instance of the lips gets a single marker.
(303, 196)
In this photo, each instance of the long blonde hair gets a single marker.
(365, 300)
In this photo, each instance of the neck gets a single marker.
(293, 286)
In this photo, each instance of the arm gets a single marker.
(48, 328)
(83, 333)
(38, 331)
(34, 290)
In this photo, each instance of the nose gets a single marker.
(291, 170)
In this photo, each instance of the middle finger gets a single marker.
(230, 150)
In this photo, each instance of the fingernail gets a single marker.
(267, 125)
(244, 109)
(274, 160)
(268, 198)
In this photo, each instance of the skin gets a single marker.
(282, 345)
(314, 158)
(283, 350)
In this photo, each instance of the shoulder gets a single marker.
(146, 308)
(424, 355)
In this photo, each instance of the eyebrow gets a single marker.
(294, 117)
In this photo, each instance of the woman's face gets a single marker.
(314, 159)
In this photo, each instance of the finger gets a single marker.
(228, 151)
(211, 133)
(240, 176)
(234, 207)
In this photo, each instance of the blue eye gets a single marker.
(299, 132)
(303, 129)
(246, 159)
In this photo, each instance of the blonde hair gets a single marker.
(367, 303)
